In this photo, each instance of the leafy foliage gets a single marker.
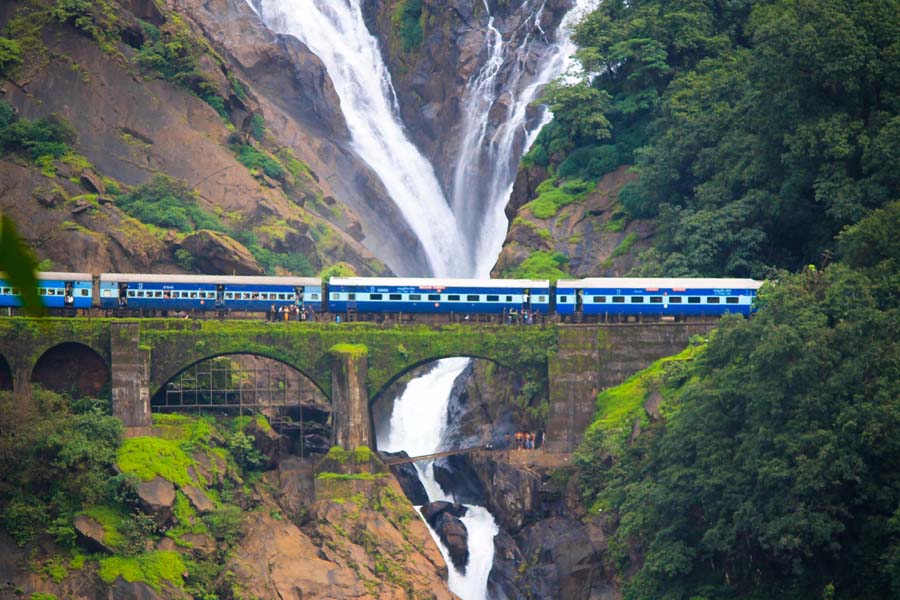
(407, 19)
(52, 462)
(541, 265)
(776, 471)
(10, 55)
(34, 139)
(759, 129)
(167, 202)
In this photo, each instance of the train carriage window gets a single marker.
(731, 299)
(42, 291)
(395, 296)
(415, 297)
(15, 291)
(713, 300)
(316, 297)
(473, 298)
(452, 297)
(693, 300)
(637, 299)
(618, 299)
(229, 296)
(86, 292)
(563, 298)
(336, 296)
(509, 298)
(282, 296)
(349, 296)
(132, 293)
(156, 294)
(598, 299)
(139, 294)
(193, 294)
(655, 299)
(675, 299)
(5, 290)
(375, 296)
(491, 298)
(542, 298)
(434, 297)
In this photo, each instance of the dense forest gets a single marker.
(766, 137)
(759, 129)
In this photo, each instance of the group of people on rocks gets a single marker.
(291, 312)
(525, 440)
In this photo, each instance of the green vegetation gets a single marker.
(257, 160)
(19, 265)
(407, 21)
(95, 18)
(541, 265)
(552, 198)
(34, 139)
(10, 54)
(774, 471)
(174, 52)
(153, 568)
(340, 269)
(167, 202)
(759, 129)
(54, 461)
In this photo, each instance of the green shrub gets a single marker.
(542, 265)
(10, 55)
(244, 452)
(255, 159)
(257, 126)
(225, 524)
(152, 568)
(167, 202)
(590, 162)
(407, 18)
(340, 269)
(35, 139)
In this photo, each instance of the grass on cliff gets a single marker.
(153, 568)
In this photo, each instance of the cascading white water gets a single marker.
(335, 31)
(417, 426)
(487, 159)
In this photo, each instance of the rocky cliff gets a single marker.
(202, 92)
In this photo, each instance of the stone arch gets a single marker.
(484, 414)
(167, 378)
(74, 368)
(6, 374)
(247, 383)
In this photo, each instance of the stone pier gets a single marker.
(350, 400)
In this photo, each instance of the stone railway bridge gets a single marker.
(351, 363)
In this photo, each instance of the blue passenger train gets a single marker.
(674, 297)
(208, 292)
(437, 296)
(57, 290)
(591, 299)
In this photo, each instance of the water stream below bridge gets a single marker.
(336, 32)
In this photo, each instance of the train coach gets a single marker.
(437, 296)
(57, 290)
(207, 292)
(677, 298)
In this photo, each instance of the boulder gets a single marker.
(565, 552)
(201, 545)
(92, 182)
(156, 498)
(433, 510)
(456, 476)
(268, 442)
(90, 534)
(216, 253)
(198, 499)
(455, 536)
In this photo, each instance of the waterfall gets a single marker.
(335, 31)
(462, 238)
(417, 426)
(488, 158)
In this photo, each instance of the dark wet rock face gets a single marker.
(444, 518)
(455, 474)
(408, 477)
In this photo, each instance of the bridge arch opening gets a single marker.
(72, 368)
(488, 403)
(6, 377)
(235, 384)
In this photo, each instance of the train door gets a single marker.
(69, 294)
(123, 295)
(579, 301)
(298, 295)
(220, 296)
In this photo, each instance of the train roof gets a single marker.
(427, 282)
(53, 275)
(661, 283)
(214, 279)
